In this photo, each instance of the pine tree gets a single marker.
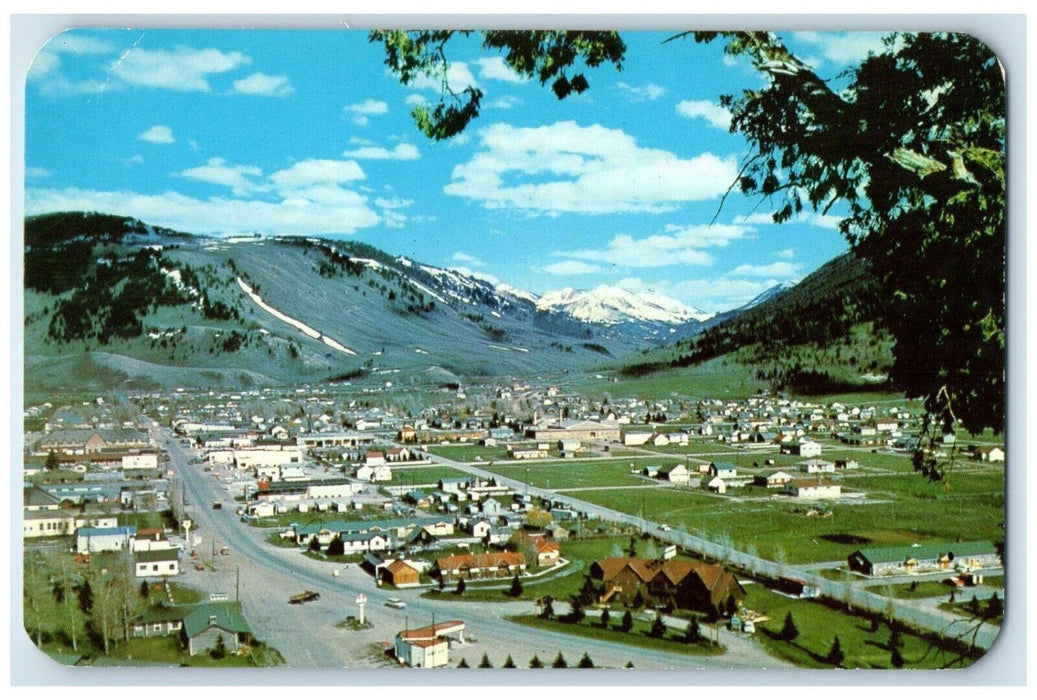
(789, 631)
(605, 618)
(658, 627)
(896, 659)
(585, 662)
(692, 635)
(835, 655)
(895, 641)
(628, 622)
(460, 587)
(220, 649)
(86, 597)
(508, 663)
(560, 662)
(462, 664)
(995, 608)
(144, 590)
(535, 662)
(485, 663)
(516, 588)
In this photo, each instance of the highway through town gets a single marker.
(311, 635)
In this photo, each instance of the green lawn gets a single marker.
(565, 474)
(591, 627)
(468, 453)
(819, 624)
(407, 476)
(910, 510)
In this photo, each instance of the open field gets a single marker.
(566, 474)
(910, 510)
(468, 453)
(407, 476)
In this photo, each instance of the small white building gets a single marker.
(428, 647)
(811, 488)
(141, 461)
(157, 562)
(816, 466)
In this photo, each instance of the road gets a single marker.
(909, 612)
(309, 635)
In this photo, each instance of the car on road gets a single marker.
(217, 505)
(664, 528)
(395, 603)
(304, 597)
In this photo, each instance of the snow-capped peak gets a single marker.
(768, 294)
(610, 305)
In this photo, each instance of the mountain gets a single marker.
(112, 301)
(824, 333)
(764, 296)
(613, 305)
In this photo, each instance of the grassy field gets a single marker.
(406, 476)
(468, 453)
(591, 627)
(910, 510)
(565, 474)
(819, 624)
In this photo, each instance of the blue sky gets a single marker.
(306, 133)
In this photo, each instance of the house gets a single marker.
(774, 480)
(847, 463)
(636, 438)
(398, 454)
(803, 448)
(104, 539)
(374, 458)
(816, 466)
(813, 488)
(548, 553)
(479, 566)
(480, 528)
(374, 474)
(148, 539)
(717, 485)
(576, 429)
(205, 623)
(682, 584)
(887, 561)
(400, 574)
(157, 562)
(675, 474)
(427, 647)
(139, 461)
(723, 469)
(517, 452)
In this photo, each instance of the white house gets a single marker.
(717, 484)
(157, 562)
(636, 438)
(675, 473)
(810, 488)
(816, 466)
(427, 647)
(141, 461)
(104, 539)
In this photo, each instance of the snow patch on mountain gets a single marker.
(610, 305)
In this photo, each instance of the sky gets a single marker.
(307, 133)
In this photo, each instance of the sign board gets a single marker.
(670, 552)
(361, 599)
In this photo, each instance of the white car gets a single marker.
(395, 603)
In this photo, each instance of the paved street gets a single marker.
(308, 635)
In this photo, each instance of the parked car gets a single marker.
(395, 603)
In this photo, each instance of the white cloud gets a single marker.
(484, 276)
(331, 211)
(316, 172)
(369, 107)
(494, 68)
(714, 114)
(594, 170)
(158, 134)
(361, 112)
(458, 77)
(217, 172)
(570, 267)
(34, 172)
(844, 47)
(719, 294)
(468, 259)
(402, 151)
(781, 270)
(681, 245)
(641, 93)
(415, 99)
(395, 203)
(787, 253)
(184, 69)
(262, 84)
(503, 102)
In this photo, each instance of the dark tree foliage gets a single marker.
(508, 662)
(627, 623)
(692, 635)
(908, 146)
(547, 56)
(336, 547)
(560, 662)
(535, 662)
(585, 661)
(789, 631)
(658, 627)
(86, 597)
(462, 664)
(52, 461)
(516, 588)
(485, 663)
(835, 654)
(460, 587)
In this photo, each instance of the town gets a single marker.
(509, 524)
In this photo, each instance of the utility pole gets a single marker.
(237, 584)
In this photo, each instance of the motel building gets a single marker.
(428, 647)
